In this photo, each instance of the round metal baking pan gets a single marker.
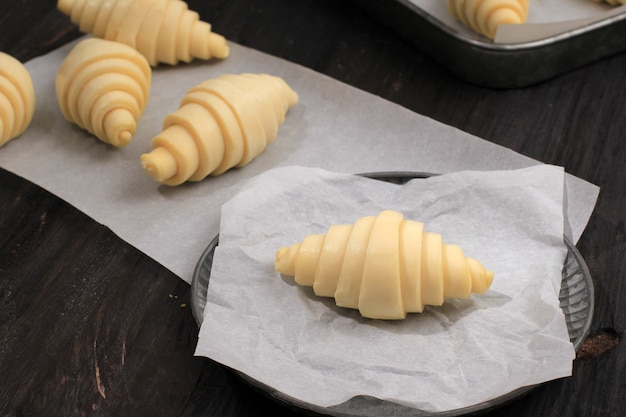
(576, 300)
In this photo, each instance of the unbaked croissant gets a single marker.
(221, 123)
(385, 266)
(17, 98)
(484, 16)
(103, 87)
(161, 30)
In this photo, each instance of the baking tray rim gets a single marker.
(477, 42)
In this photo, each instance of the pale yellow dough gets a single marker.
(484, 16)
(17, 98)
(161, 30)
(221, 123)
(103, 87)
(385, 266)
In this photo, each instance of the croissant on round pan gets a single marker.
(161, 30)
(484, 16)
(103, 87)
(17, 98)
(385, 266)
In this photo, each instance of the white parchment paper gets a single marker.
(458, 355)
(334, 126)
(545, 18)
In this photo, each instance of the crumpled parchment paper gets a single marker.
(463, 353)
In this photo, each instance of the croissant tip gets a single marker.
(488, 278)
(483, 283)
(65, 6)
(150, 167)
(221, 52)
(122, 139)
(279, 255)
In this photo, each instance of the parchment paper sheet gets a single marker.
(461, 354)
(334, 126)
(545, 18)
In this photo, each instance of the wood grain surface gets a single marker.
(90, 326)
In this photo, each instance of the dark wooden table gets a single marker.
(90, 326)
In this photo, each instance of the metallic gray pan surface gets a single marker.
(482, 62)
(576, 300)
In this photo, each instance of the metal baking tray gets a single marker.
(485, 63)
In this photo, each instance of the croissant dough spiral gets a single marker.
(161, 30)
(17, 98)
(484, 16)
(385, 266)
(103, 87)
(221, 123)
